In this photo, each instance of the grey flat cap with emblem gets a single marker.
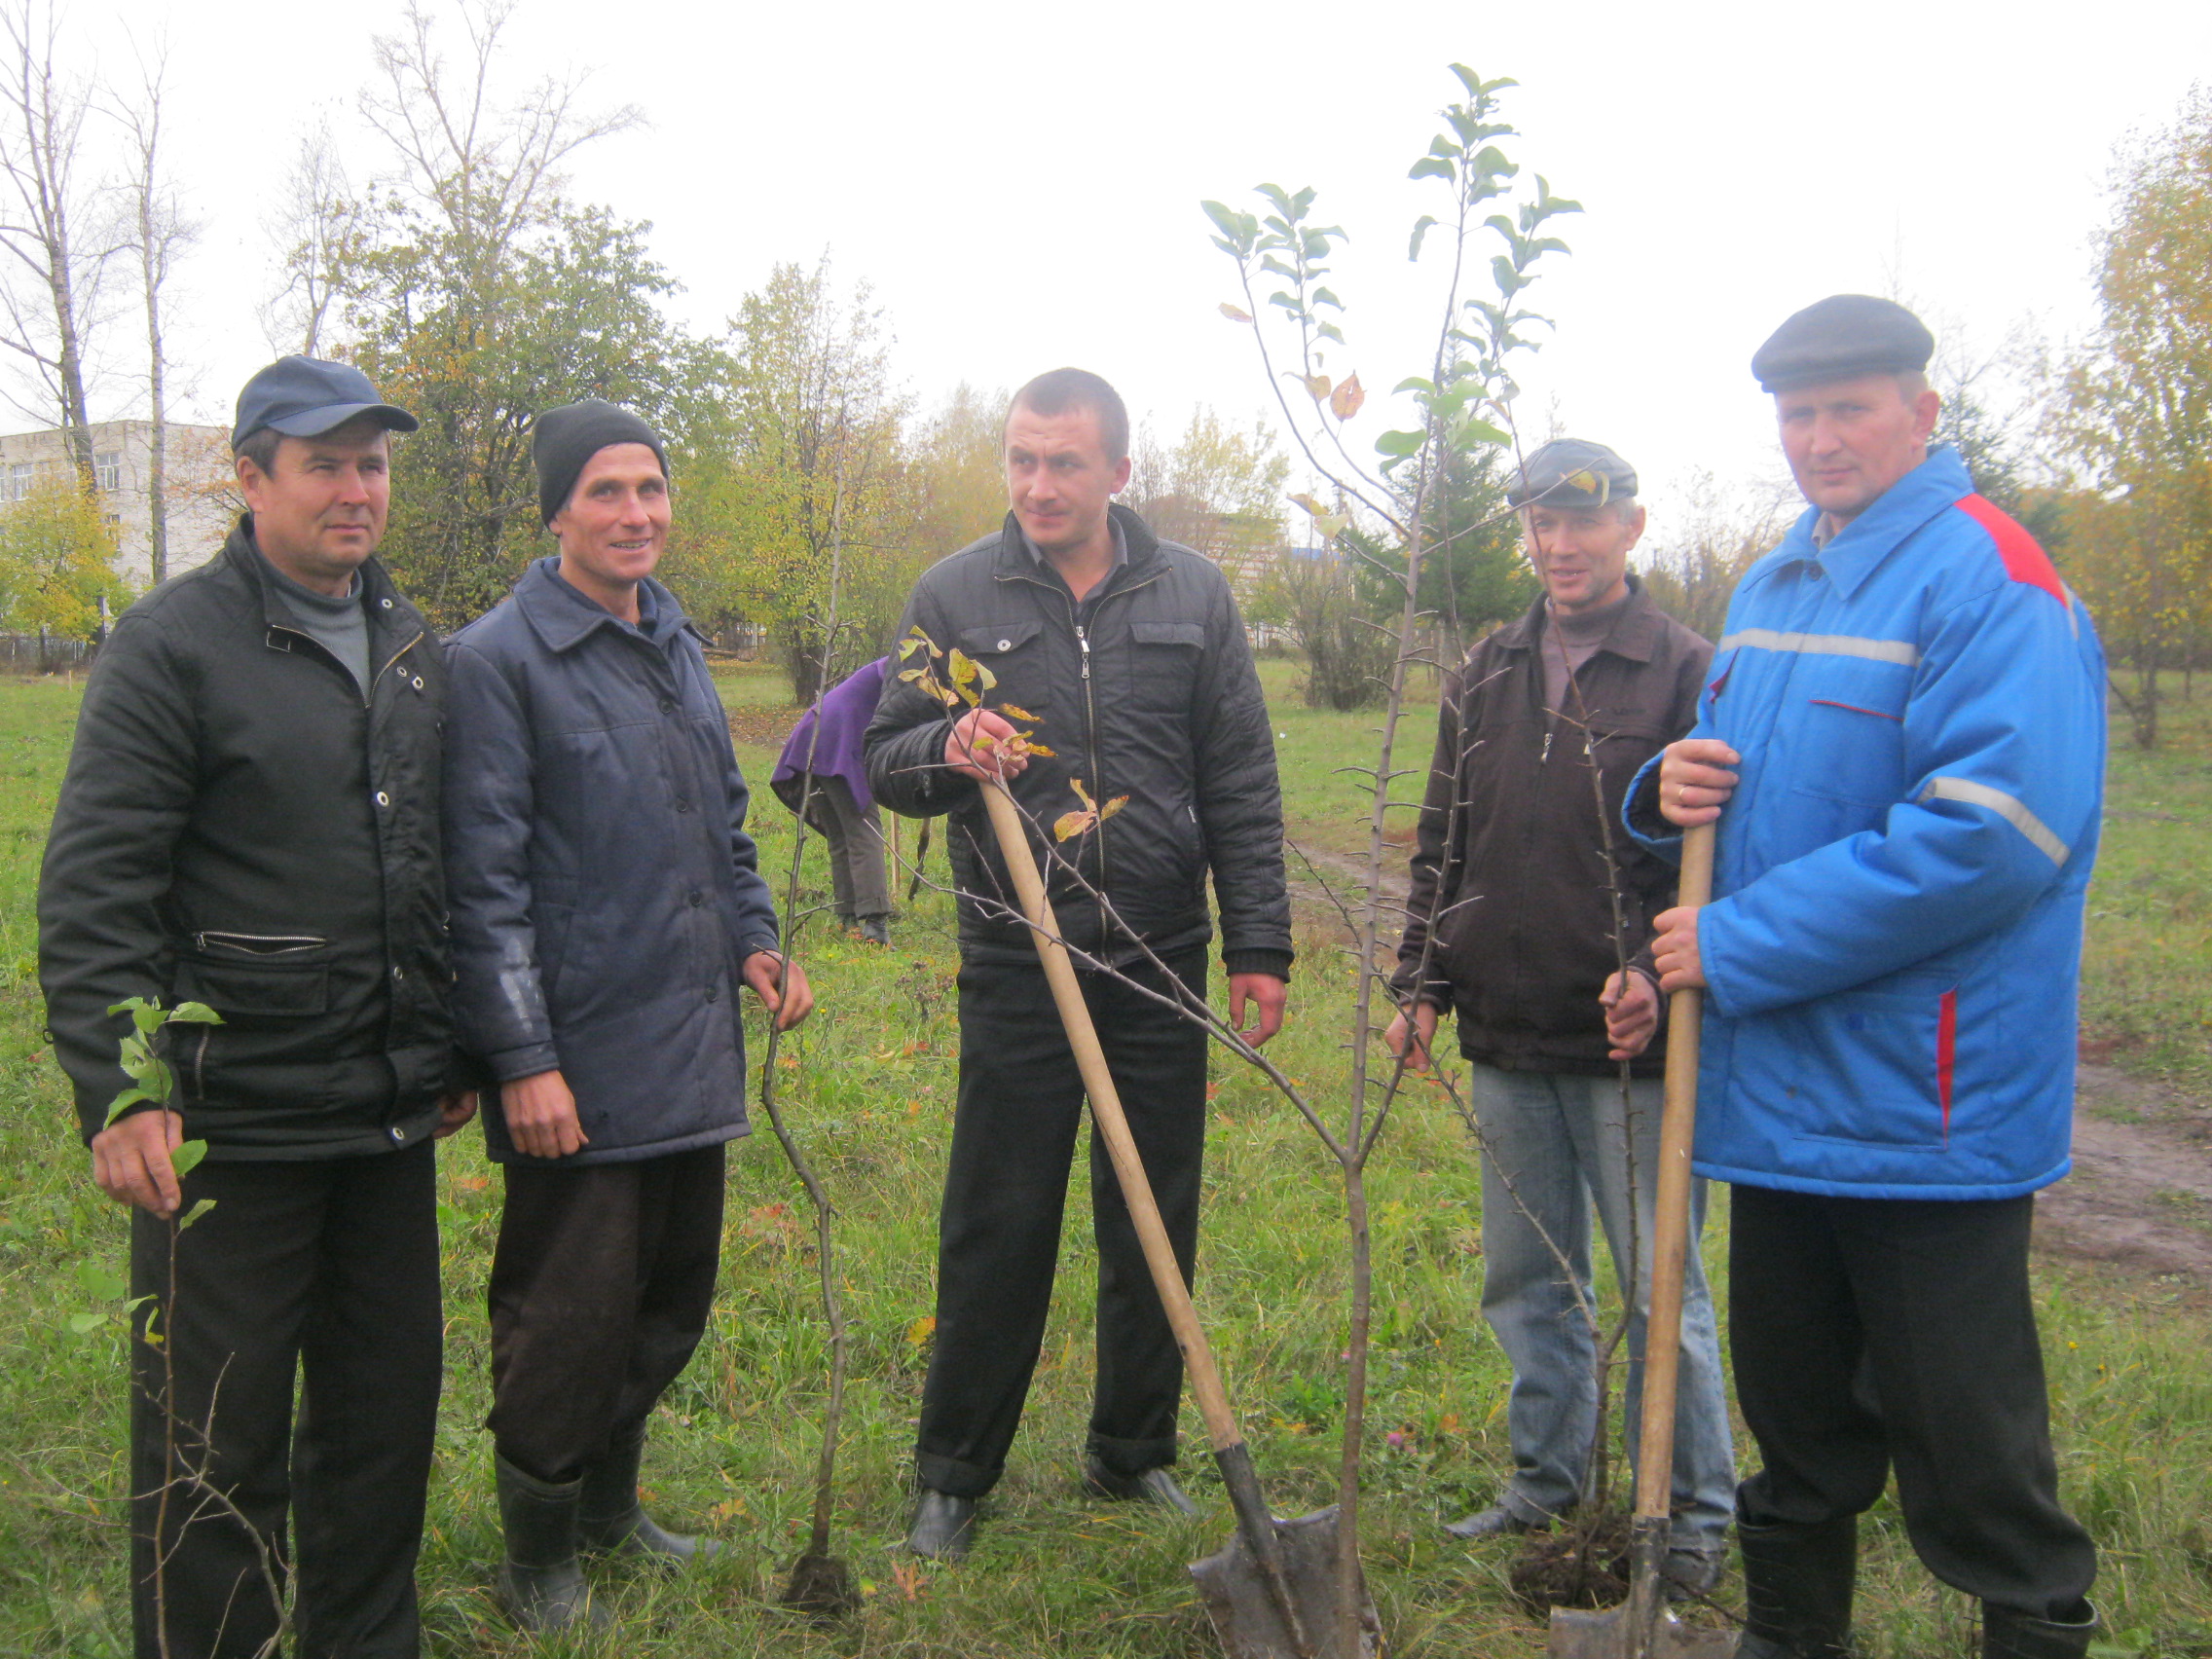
(1841, 338)
(1570, 472)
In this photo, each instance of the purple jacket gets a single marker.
(846, 710)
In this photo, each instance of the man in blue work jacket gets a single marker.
(1903, 741)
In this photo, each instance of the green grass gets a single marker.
(870, 1086)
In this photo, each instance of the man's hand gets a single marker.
(1268, 997)
(982, 745)
(1632, 1013)
(1420, 1030)
(541, 1115)
(130, 1161)
(454, 1112)
(795, 1001)
(1696, 778)
(1674, 947)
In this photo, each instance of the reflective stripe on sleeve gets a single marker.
(1903, 652)
(2010, 808)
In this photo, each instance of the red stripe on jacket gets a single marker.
(2025, 561)
(1947, 1051)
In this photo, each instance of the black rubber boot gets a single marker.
(1797, 1583)
(2007, 1633)
(612, 1521)
(945, 1526)
(542, 1584)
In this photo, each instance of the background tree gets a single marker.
(50, 279)
(2136, 413)
(1218, 490)
(1694, 552)
(807, 464)
(956, 471)
(160, 231)
(317, 221)
(57, 561)
(1475, 575)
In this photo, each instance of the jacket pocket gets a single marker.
(1163, 664)
(256, 978)
(1885, 1056)
(1014, 655)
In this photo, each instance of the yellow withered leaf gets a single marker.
(1345, 403)
(1073, 824)
(1014, 712)
(1235, 314)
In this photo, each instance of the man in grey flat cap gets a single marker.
(1903, 742)
(250, 820)
(608, 909)
(1510, 926)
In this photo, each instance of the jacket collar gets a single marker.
(1635, 632)
(563, 619)
(388, 611)
(1861, 548)
(1145, 558)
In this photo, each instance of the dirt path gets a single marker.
(2140, 1196)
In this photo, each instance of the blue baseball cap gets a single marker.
(301, 396)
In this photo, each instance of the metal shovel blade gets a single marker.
(1612, 1633)
(1243, 1608)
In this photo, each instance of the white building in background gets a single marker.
(198, 486)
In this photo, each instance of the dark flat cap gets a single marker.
(303, 397)
(1841, 338)
(563, 439)
(1570, 472)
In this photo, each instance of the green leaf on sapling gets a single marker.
(186, 1157)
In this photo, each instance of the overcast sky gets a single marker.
(1019, 183)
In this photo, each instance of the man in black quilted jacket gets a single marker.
(1123, 655)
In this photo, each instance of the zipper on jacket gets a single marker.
(259, 944)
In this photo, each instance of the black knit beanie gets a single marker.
(565, 439)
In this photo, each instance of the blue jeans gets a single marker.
(1551, 1143)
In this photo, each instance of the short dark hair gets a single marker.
(1060, 392)
(260, 446)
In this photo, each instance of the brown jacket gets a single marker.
(1511, 863)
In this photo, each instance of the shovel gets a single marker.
(1273, 1592)
(1644, 1628)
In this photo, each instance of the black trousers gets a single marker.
(601, 1286)
(1006, 1185)
(326, 1270)
(1870, 1333)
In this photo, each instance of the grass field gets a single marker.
(870, 1084)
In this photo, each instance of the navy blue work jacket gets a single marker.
(605, 893)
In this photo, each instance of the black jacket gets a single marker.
(237, 827)
(605, 892)
(1511, 850)
(1145, 691)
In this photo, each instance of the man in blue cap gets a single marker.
(250, 820)
(1903, 742)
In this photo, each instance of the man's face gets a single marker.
(1058, 480)
(1850, 440)
(1580, 554)
(321, 508)
(616, 525)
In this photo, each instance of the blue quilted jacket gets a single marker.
(1894, 948)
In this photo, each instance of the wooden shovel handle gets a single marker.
(1678, 1127)
(1106, 1109)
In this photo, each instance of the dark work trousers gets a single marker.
(601, 1286)
(327, 1269)
(1006, 1184)
(860, 886)
(1872, 1331)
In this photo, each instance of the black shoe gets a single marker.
(2007, 1633)
(945, 1526)
(610, 1520)
(877, 930)
(1496, 1521)
(540, 1584)
(1155, 1486)
(1797, 1584)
